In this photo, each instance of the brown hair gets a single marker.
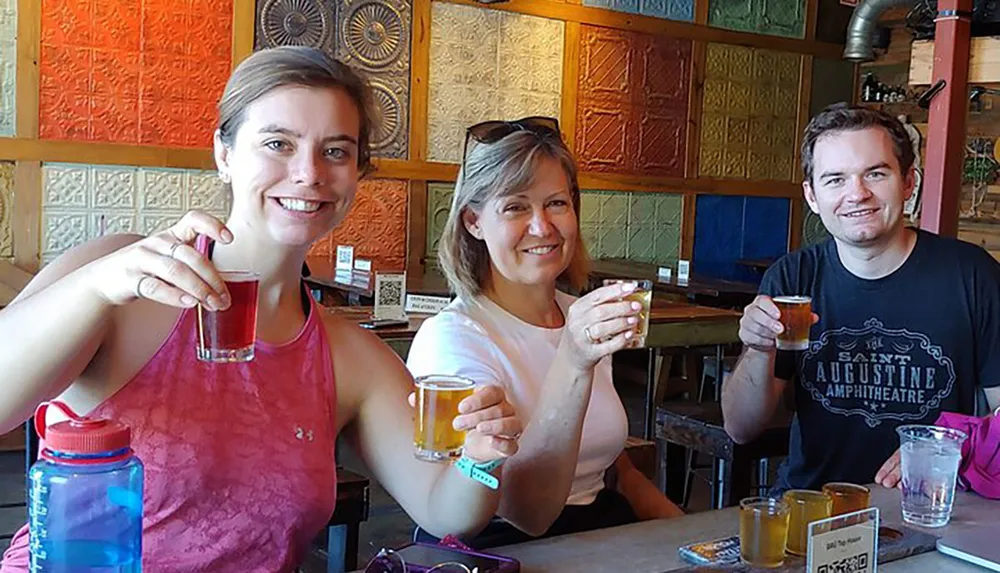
(493, 170)
(272, 68)
(843, 117)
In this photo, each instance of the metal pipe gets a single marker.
(861, 30)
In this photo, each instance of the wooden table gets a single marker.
(679, 325)
(651, 546)
(720, 291)
(358, 288)
(699, 427)
(397, 337)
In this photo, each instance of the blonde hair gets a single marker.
(273, 68)
(500, 169)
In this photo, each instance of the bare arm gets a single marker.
(438, 497)
(537, 481)
(56, 326)
(646, 500)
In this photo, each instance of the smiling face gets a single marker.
(857, 188)
(530, 235)
(293, 163)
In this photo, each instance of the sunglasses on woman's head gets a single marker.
(493, 131)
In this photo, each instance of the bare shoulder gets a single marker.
(363, 365)
(75, 258)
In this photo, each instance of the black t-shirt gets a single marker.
(885, 352)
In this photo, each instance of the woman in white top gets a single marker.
(514, 233)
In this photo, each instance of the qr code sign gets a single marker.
(855, 564)
(391, 293)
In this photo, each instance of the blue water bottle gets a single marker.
(85, 497)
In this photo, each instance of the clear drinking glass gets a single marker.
(763, 531)
(930, 459)
(435, 439)
(229, 335)
(643, 294)
(805, 506)
(796, 318)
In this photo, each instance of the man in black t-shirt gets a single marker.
(906, 324)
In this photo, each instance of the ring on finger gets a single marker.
(590, 337)
(138, 286)
(174, 248)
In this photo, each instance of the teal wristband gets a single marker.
(479, 472)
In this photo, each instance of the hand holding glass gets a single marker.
(643, 294)
(229, 335)
(435, 438)
(796, 318)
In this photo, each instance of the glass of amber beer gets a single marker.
(763, 531)
(643, 294)
(796, 318)
(847, 497)
(229, 335)
(804, 507)
(434, 437)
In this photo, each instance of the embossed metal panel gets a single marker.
(6, 206)
(375, 226)
(632, 112)
(672, 9)
(125, 71)
(749, 113)
(771, 17)
(439, 197)
(644, 227)
(486, 64)
(372, 36)
(80, 202)
(8, 65)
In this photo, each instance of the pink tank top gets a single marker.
(239, 458)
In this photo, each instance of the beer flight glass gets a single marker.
(437, 397)
(229, 335)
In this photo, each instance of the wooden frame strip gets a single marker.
(29, 40)
(570, 77)
(558, 10)
(420, 71)
(695, 99)
(244, 28)
(26, 215)
(416, 231)
(701, 11)
(687, 226)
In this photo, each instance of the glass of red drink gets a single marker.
(229, 335)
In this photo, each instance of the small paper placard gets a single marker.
(426, 304)
(389, 294)
(345, 257)
(683, 270)
(663, 274)
(846, 542)
(363, 265)
(343, 276)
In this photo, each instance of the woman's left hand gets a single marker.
(493, 428)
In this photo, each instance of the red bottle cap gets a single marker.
(80, 435)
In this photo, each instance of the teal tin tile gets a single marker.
(439, 196)
(667, 248)
(642, 209)
(614, 208)
(590, 207)
(641, 243)
(669, 209)
(770, 17)
(614, 241)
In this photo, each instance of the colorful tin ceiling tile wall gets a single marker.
(8, 65)
(375, 226)
(633, 100)
(6, 206)
(670, 9)
(372, 36)
(488, 65)
(80, 202)
(643, 227)
(125, 71)
(439, 196)
(730, 228)
(749, 113)
(771, 17)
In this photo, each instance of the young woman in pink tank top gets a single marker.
(239, 458)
